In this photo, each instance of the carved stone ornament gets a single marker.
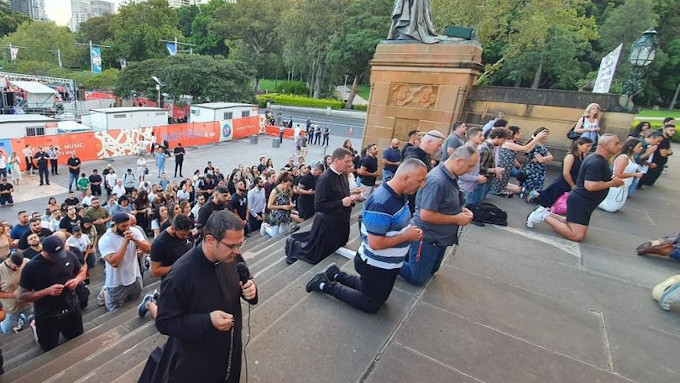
(413, 95)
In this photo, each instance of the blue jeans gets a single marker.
(161, 168)
(12, 319)
(479, 194)
(72, 179)
(633, 186)
(418, 271)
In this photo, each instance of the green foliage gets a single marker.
(204, 78)
(267, 85)
(294, 100)
(292, 87)
(360, 107)
(364, 91)
(43, 38)
(138, 28)
(10, 20)
(106, 80)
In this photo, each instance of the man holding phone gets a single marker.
(118, 247)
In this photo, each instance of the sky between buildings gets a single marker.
(60, 10)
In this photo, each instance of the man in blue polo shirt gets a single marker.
(439, 212)
(385, 236)
(391, 159)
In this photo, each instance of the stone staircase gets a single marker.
(115, 345)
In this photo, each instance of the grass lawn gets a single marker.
(364, 91)
(659, 113)
(267, 85)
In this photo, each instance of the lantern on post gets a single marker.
(641, 56)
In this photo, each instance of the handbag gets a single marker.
(571, 134)
(560, 204)
(146, 171)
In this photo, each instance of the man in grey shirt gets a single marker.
(439, 213)
(454, 140)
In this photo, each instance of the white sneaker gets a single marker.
(536, 216)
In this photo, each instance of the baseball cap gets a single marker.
(54, 246)
(76, 229)
(121, 217)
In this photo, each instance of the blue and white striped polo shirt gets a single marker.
(386, 214)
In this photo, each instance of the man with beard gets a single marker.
(307, 191)
(35, 228)
(200, 309)
(219, 201)
(391, 159)
(256, 206)
(34, 246)
(239, 202)
(333, 203)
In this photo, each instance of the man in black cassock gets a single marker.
(201, 309)
(333, 204)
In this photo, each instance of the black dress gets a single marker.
(549, 195)
(330, 229)
(195, 350)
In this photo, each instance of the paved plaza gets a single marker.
(511, 305)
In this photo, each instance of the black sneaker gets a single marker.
(332, 271)
(315, 283)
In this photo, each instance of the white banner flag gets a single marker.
(13, 52)
(606, 73)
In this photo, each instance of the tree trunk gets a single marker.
(311, 78)
(257, 83)
(352, 93)
(318, 80)
(537, 76)
(675, 97)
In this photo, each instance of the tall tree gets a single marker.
(139, 27)
(10, 20)
(366, 23)
(42, 39)
(254, 23)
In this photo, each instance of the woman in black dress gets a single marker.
(570, 167)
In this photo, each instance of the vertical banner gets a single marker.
(172, 48)
(13, 53)
(96, 59)
(606, 73)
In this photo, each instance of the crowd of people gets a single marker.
(178, 228)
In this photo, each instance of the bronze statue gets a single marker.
(412, 20)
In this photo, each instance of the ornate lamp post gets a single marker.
(641, 55)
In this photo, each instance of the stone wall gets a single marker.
(555, 109)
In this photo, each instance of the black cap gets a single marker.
(54, 246)
(121, 217)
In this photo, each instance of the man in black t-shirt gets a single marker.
(592, 186)
(307, 190)
(206, 186)
(73, 171)
(179, 158)
(166, 249)
(369, 170)
(263, 165)
(70, 220)
(95, 183)
(72, 200)
(6, 190)
(239, 202)
(50, 281)
(36, 228)
(40, 160)
(219, 201)
(661, 155)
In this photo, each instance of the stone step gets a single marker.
(131, 375)
(28, 361)
(120, 364)
(101, 356)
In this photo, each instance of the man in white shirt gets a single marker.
(200, 201)
(111, 179)
(3, 165)
(256, 204)
(82, 242)
(118, 188)
(118, 247)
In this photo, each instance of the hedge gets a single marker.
(293, 100)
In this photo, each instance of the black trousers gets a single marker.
(366, 291)
(53, 166)
(96, 189)
(44, 174)
(253, 224)
(652, 175)
(325, 140)
(178, 165)
(29, 164)
(49, 328)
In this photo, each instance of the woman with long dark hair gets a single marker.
(627, 169)
(570, 168)
(640, 130)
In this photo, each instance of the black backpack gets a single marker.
(487, 212)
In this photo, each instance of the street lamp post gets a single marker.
(641, 55)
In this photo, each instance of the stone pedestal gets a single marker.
(418, 86)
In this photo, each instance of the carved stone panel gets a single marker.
(413, 95)
(402, 126)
